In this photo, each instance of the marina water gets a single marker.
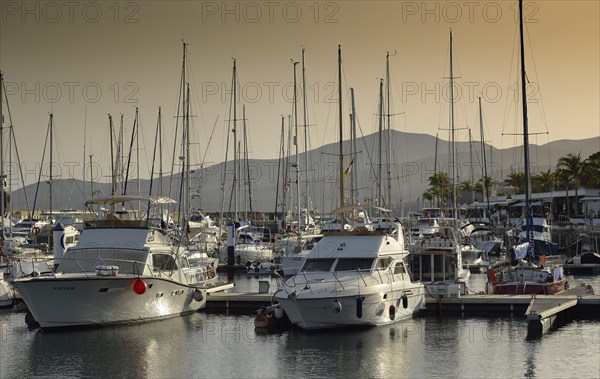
(209, 345)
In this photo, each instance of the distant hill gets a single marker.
(413, 155)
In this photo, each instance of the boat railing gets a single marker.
(334, 278)
(22, 271)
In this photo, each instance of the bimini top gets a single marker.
(111, 200)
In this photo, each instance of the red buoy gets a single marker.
(139, 286)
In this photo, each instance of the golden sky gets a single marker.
(85, 60)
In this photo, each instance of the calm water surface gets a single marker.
(206, 345)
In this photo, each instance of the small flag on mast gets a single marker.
(349, 167)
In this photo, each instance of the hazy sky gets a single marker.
(85, 60)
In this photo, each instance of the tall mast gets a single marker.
(234, 130)
(525, 131)
(472, 169)
(389, 133)
(51, 161)
(354, 193)
(281, 153)
(380, 152)
(341, 147)
(305, 113)
(1, 155)
(298, 211)
(180, 109)
(113, 188)
(453, 153)
(247, 165)
(486, 190)
(188, 199)
(91, 176)
(160, 164)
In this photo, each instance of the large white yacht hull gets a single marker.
(371, 310)
(76, 300)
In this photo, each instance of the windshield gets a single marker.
(353, 264)
(316, 265)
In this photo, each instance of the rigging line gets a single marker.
(366, 147)
(37, 187)
(508, 105)
(177, 117)
(329, 111)
(441, 103)
(540, 103)
(208, 144)
(14, 141)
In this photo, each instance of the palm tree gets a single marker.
(592, 170)
(467, 187)
(563, 181)
(544, 181)
(516, 180)
(573, 168)
(440, 186)
(489, 183)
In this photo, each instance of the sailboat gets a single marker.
(523, 276)
(437, 257)
(247, 240)
(354, 277)
(6, 293)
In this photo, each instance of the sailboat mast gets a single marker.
(1, 155)
(525, 130)
(486, 190)
(281, 147)
(298, 208)
(453, 153)
(380, 150)
(51, 161)
(160, 162)
(341, 147)
(305, 119)
(472, 170)
(234, 130)
(354, 193)
(91, 176)
(188, 199)
(112, 156)
(389, 133)
(248, 177)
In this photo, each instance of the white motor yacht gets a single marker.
(353, 278)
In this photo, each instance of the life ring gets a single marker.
(467, 240)
(210, 272)
(36, 231)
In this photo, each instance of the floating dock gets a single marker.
(542, 311)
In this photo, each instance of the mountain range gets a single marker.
(413, 158)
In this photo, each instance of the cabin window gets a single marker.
(183, 262)
(349, 264)
(69, 240)
(315, 265)
(384, 263)
(399, 269)
(163, 262)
